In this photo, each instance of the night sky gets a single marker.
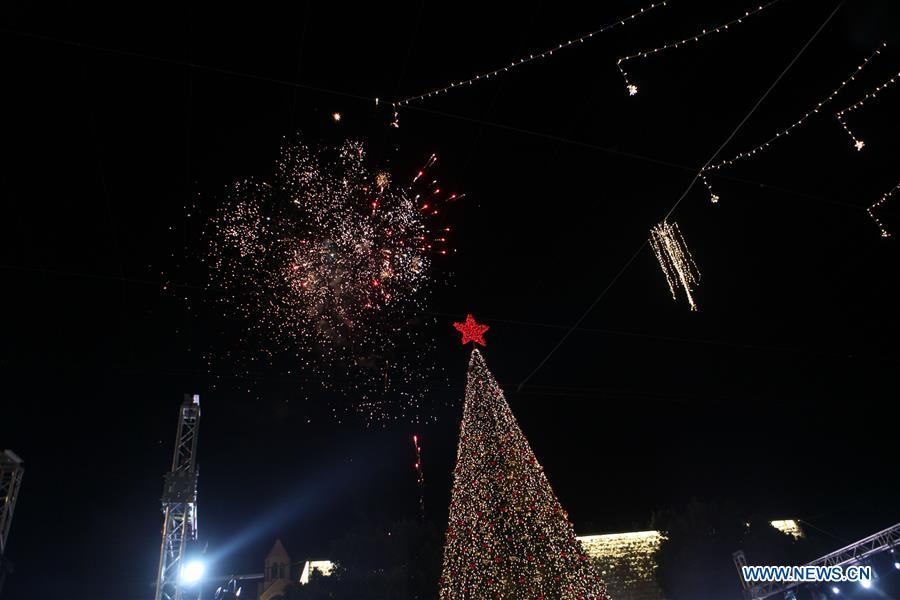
(778, 394)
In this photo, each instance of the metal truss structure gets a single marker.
(11, 472)
(853, 554)
(179, 502)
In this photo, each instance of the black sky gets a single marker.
(778, 394)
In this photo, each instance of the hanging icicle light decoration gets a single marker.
(675, 260)
(839, 115)
(633, 88)
(783, 133)
(871, 210)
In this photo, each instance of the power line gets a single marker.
(632, 155)
(184, 63)
(102, 276)
(753, 110)
(582, 317)
(683, 195)
(819, 529)
(525, 59)
(594, 330)
(543, 390)
(501, 126)
(483, 122)
(551, 137)
(657, 337)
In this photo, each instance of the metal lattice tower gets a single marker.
(10, 480)
(11, 472)
(179, 502)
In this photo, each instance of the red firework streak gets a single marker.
(420, 476)
(430, 200)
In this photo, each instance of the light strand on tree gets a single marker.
(523, 60)
(871, 210)
(507, 535)
(633, 88)
(839, 115)
(675, 260)
(420, 475)
(784, 132)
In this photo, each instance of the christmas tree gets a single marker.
(507, 537)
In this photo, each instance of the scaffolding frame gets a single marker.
(852, 554)
(179, 503)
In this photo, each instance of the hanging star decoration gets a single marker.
(471, 330)
(858, 143)
(871, 210)
(695, 38)
(707, 170)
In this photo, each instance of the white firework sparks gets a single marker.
(332, 263)
(675, 260)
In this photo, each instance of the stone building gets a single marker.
(277, 574)
(280, 571)
(627, 562)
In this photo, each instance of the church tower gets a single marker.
(277, 575)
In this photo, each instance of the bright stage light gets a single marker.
(835, 590)
(192, 572)
(897, 565)
(866, 583)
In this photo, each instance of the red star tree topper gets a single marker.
(471, 330)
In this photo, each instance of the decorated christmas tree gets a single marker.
(507, 537)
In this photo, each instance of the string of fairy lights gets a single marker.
(784, 132)
(665, 239)
(528, 58)
(668, 244)
(871, 210)
(632, 88)
(858, 143)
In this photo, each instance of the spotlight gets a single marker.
(336, 116)
(897, 565)
(866, 583)
(835, 590)
(192, 571)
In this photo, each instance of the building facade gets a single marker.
(277, 574)
(627, 562)
(280, 572)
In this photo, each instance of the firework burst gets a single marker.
(332, 262)
(675, 260)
